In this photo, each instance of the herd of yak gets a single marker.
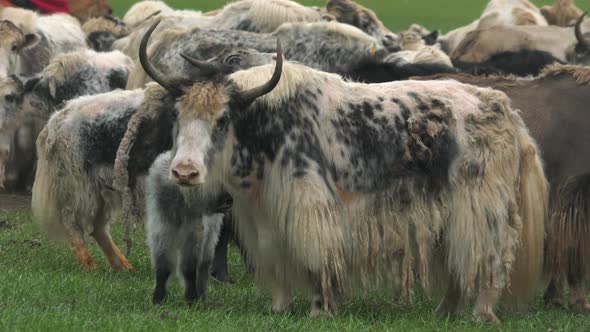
(340, 157)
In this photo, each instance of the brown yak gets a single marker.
(555, 108)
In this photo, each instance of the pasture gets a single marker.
(42, 287)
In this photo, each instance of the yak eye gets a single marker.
(10, 98)
(234, 60)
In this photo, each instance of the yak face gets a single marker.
(12, 42)
(563, 13)
(11, 97)
(581, 54)
(199, 109)
(87, 9)
(102, 32)
(242, 58)
(349, 12)
(203, 104)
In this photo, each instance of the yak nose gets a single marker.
(4, 151)
(186, 172)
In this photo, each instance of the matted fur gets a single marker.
(62, 66)
(105, 24)
(204, 101)
(579, 73)
(350, 12)
(144, 9)
(76, 197)
(10, 34)
(568, 248)
(293, 227)
(268, 15)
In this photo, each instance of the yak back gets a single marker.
(554, 108)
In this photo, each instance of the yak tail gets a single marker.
(43, 204)
(568, 233)
(532, 203)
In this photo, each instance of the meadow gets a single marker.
(42, 288)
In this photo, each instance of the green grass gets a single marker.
(42, 288)
(396, 14)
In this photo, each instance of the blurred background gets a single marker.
(396, 14)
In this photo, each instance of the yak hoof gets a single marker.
(159, 296)
(223, 278)
(125, 266)
(581, 307)
(554, 302)
(488, 317)
(443, 310)
(88, 264)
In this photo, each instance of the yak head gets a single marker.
(203, 105)
(13, 41)
(582, 48)
(102, 32)
(11, 99)
(563, 13)
(349, 12)
(87, 9)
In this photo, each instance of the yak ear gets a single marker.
(52, 88)
(431, 38)
(31, 40)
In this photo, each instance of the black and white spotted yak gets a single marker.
(554, 108)
(73, 195)
(26, 103)
(338, 185)
(327, 46)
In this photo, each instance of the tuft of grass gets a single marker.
(42, 288)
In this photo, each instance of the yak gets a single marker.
(554, 108)
(337, 184)
(26, 103)
(28, 41)
(73, 191)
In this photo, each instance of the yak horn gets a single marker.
(249, 96)
(152, 72)
(581, 40)
(204, 67)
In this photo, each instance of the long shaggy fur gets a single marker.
(579, 73)
(297, 227)
(568, 248)
(64, 194)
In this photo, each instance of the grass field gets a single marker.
(42, 288)
(396, 14)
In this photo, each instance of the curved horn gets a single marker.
(249, 96)
(581, 40)
(152, 72)
(204, 67)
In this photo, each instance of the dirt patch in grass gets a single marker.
(14, 202)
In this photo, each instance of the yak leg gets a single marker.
(164, 265)
(212, 227)
(485, 304)
(116, 259)
(76, 239)
(163, 251)
(219, 270)
(188, 267)
(577, 294)
(554, 293)
(448, 305)
(323, 302)
(281, 296)
(102, 235)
